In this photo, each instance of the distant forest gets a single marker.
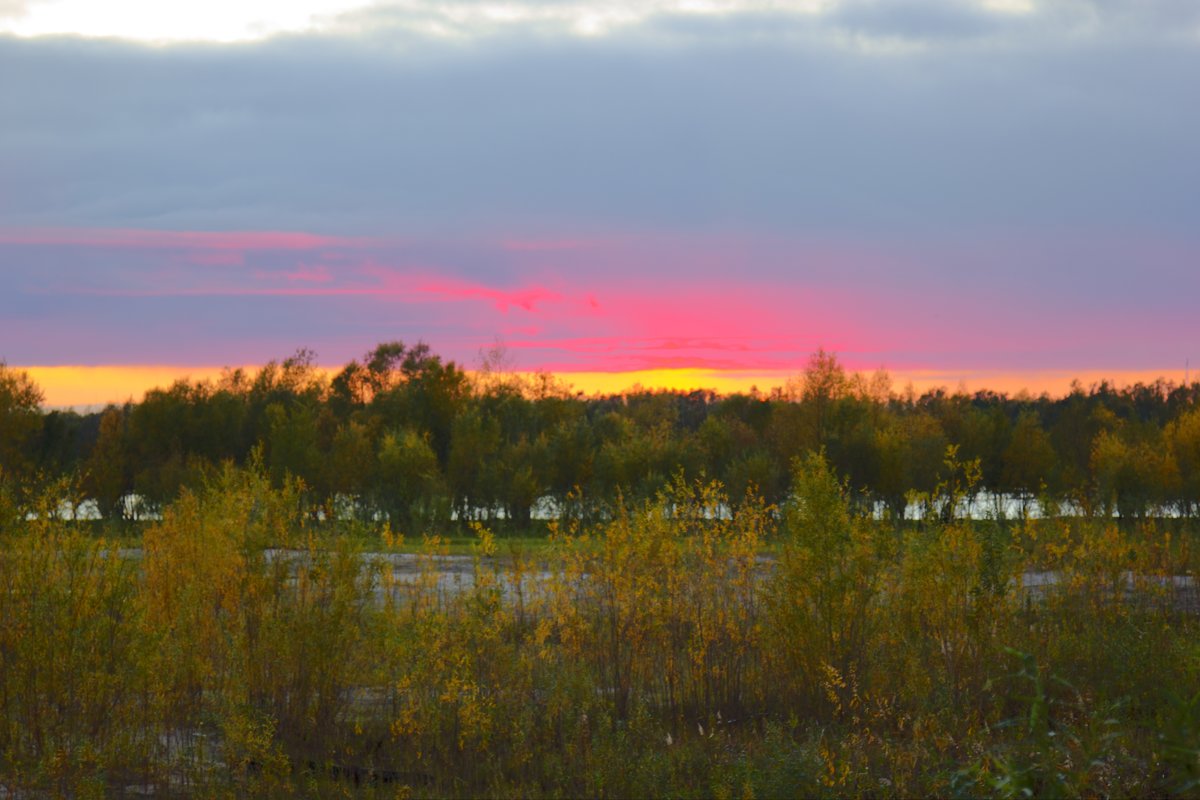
(405, 436)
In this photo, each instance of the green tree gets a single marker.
(1131, 476)
(107, 476)
(571, 453)
(1029, 460)
(292, 444)
(1183, 440)
(350, 469)
(824, 384)
(524, 478)
(20, 421)
(472, 471)
(411, 490)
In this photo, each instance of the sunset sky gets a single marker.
(999, 193)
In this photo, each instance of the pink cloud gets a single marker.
(368, 280)
(522, 330)
(621, 352)
(524, 298)
(631, 303)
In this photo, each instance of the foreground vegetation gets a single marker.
(653, 652)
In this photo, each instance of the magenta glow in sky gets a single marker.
(935, 185)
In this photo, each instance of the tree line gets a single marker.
(403, 435)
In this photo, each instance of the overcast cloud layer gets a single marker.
(920, 183)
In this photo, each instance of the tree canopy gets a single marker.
(403, 435)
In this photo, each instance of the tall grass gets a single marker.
(659, 651)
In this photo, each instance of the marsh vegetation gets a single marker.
(650, 653)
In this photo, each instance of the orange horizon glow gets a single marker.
(89, 387)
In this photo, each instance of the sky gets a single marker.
(986, 193)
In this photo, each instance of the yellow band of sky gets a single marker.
(95, 386)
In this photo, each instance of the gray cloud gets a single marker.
(363, 135)
(1163, 14)
(877, 25)
(924, 20)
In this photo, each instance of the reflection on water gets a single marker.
(981, 506)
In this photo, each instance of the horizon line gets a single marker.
(96, 386)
